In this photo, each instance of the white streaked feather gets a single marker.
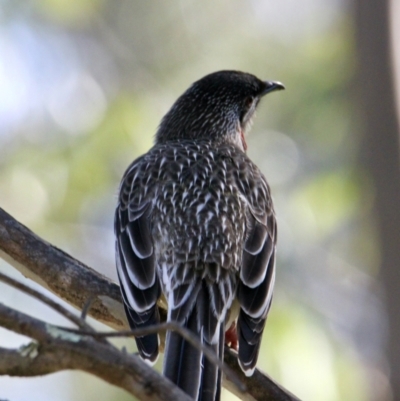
(200, 207)
(171, 301)
(264, 307)
(132, 276)
(166, 280)
(247, 372)
(148, 361)
(125, 283)
(137, 252)
(215, 337)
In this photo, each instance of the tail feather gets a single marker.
(186, 365)
(211, 383)
(182, 361)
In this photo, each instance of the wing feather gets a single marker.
(257, 274)
(255, 264)
(256, 237)
(255, 301)
(138, 230)
(136, 262)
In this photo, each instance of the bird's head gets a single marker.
(219, 107)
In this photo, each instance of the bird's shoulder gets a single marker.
(186, 158)
(251, 183)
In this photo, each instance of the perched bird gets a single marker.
(195, 223)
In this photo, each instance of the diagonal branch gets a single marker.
(45, 299)
(75, 283)
(60, 273)
(260, 385)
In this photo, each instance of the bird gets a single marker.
(195, 225)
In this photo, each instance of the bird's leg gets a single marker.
(231, 339)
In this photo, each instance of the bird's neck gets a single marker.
(234, 136)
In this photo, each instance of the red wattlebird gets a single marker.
(195, 222)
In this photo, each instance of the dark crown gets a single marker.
(214, 106)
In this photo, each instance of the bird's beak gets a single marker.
(271, 86)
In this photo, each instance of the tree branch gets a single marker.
(87, 330)
(260, 386)
(58, 349)
(76, 283)
(60, 273)
(183, 332)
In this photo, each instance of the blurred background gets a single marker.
(83, 86)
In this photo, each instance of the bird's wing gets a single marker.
(257, 274)
(136, 264)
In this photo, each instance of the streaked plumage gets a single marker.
(195, 222)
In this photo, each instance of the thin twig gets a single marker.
(86, 307)
(49, 302)
(186, 335)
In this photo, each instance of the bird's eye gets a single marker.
(249, 102)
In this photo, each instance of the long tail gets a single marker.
(196, 306)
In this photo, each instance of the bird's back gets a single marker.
(195, 221)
